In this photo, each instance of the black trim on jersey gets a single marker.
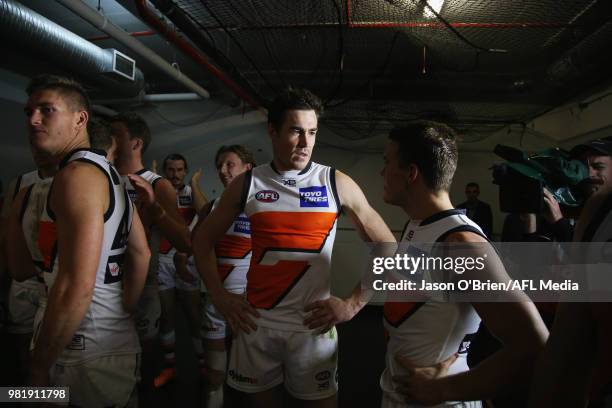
(440, 215)
(123, 229)
(461, 228)
(306, 169)
(141, 172)
(114, 175)
(286, 292)
(67, 158)
(405, 317)
(111, 189)
(17, 185)
(118, 259)
(332, 182)
(155, 182)
(600, 216)
(24, 205)
(246, 187)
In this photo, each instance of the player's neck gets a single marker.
(425, 205)
(129, 165)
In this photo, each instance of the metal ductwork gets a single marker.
(23, 29)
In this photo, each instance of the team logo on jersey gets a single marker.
(323, 375)
(289, 182)
(315, 196)
(133, 195)
(185, 201)
(242, 225)
(410, 235)
(267, 196)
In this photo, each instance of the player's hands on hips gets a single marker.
(237, 311)
(419, 385)
(326, 313)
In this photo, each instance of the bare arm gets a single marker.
(199, 199)
(159, 207)
(79, 198)
(517, 324)
(19, 257)
(136, 265)
(205, 235)
(371, 228)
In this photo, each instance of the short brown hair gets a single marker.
(431, 146)
(76, 97)
(292, 99)
(136, 126)
(174, 156)
(242, 152)
(100, 134)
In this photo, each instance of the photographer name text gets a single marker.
(477, 285)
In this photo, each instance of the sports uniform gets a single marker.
(101, 364)
(431, 331)
(233, 258)
(293, 218)
(24, 297)
(148, 312)
(167, 277)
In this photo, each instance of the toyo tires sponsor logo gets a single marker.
(267, 196)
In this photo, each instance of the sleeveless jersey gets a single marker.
(234, 253)
(154, 235)
(106, 329)
(431, 331)
(184, 203)
(293, 225)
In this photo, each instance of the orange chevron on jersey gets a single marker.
(289, 232)
(397, 312)
(47, 243)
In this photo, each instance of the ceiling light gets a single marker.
(434, 4)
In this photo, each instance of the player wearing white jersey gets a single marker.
(294, 342)
(23, 297)
(234, 255)
(155, 198)
(86, 339)
(180, 277)
(420, 161)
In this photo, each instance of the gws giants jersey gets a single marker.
(293, 225)
(106, 329)
(153, 235)
(234, 253)
(431, 331)
(184, 200)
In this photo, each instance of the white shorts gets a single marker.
(24, 299)
(167, 278)
(305, 362)
(148, 313)
(213, 323)
(104, 382)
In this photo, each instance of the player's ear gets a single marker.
(411, 173)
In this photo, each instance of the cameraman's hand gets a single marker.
(552, 213)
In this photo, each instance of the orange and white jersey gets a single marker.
(234, 254)
(106, 329)
(154, 236)
(429, 332)
(293, 225)
(184, 201)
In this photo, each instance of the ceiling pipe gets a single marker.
(25, 30)
(102, 23)
(170, 97)
(133, 34)
(171, 35)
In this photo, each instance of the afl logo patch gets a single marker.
(267, 196)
